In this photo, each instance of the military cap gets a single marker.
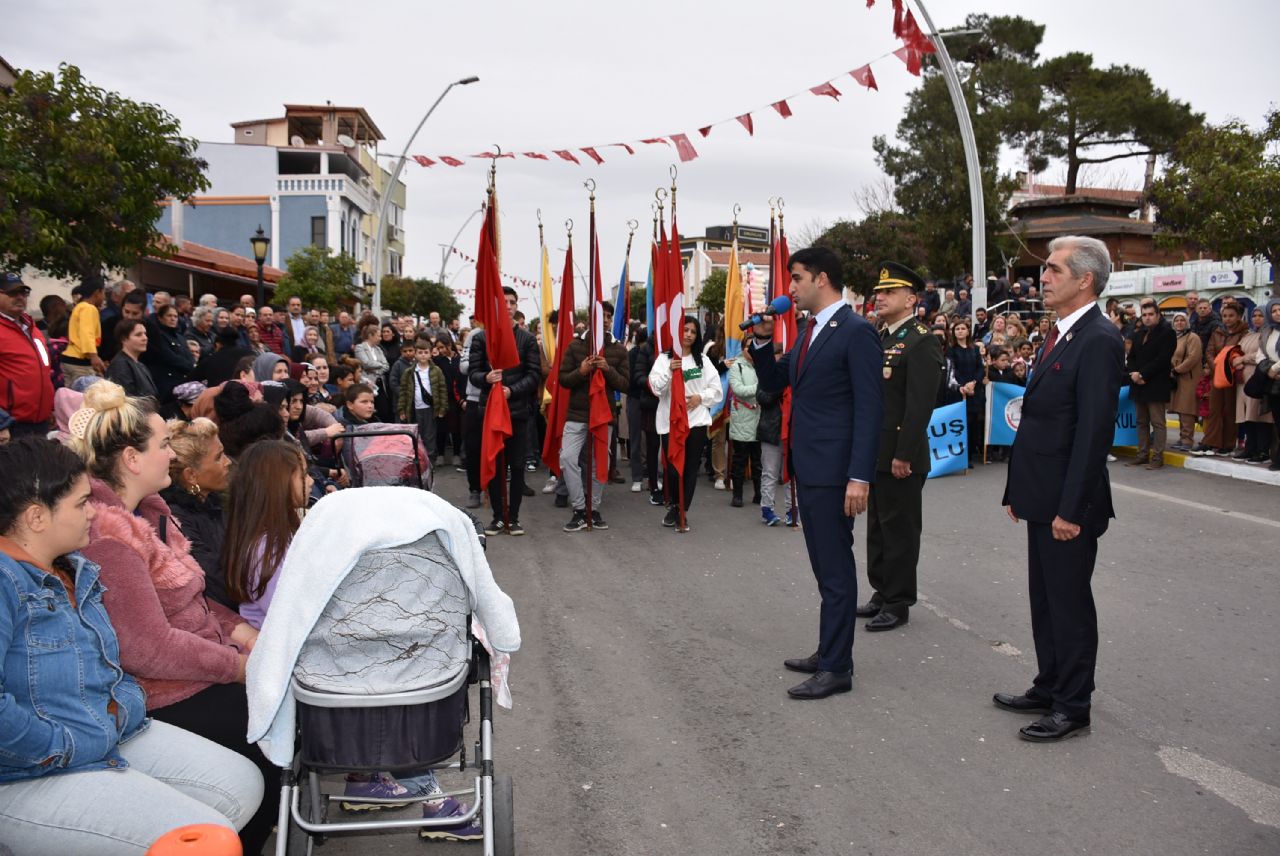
(894, 275)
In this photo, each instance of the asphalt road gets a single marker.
(651, 716)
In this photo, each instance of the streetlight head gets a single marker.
(259, 242)
(467, 80)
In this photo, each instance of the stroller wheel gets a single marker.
(504, 817)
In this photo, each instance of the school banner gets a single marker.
(1004, 412)
(948, 441)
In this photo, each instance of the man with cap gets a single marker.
(26, 384)
(84, 332)
(911, 368)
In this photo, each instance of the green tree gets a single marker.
(1088, 112)
(888, 235)
(406, 296)
(712, 294)
(82, 171)
(1221, 191)
(322, 279)
(999, 79)
(639, 305)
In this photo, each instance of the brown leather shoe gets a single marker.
(1157, 462)
(1139, 461)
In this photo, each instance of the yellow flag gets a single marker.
(548, 344)
(734, 307)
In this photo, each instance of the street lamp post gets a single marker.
(445, 250)
(977, 212)
(378, 273)
(260, 243)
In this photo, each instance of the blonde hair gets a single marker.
(107, 423)
(191, 442)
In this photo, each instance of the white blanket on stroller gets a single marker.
(332, 538)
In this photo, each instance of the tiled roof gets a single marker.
(198, 255)
(1134, 196)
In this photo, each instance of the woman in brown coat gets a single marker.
(1188, 368)
(1220, 430)
(1252, 413)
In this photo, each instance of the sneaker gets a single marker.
(655, 497)
(672, 517)
(685, 527)
(1111, 459)
(719, 484)
(636, 487)
(495, 528)
(1262, 458)
(597, 522)
(1200, 449)
(577, 522)
(514, 528)
(460, 469)
(473, 501)
(562, 500)
(1239, 454)
(1179, 447)
(768, 517)
(1223, 452)
(792, 517)
(379, 786)
(531, 466)
(550, 486)
(449, 807)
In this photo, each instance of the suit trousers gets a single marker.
(895, 517)
(828, 535)
(1064, 622)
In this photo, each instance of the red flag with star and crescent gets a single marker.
(500, 342)
(558, 410)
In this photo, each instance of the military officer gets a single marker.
(911, 367)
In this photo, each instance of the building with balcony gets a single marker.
(310, 177)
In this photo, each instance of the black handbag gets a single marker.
(1260, 384)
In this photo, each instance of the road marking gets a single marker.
(996, 644)
(1257, 799)
(1239, 515)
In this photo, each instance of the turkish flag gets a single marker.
(783, 110)
(911, 56)
(826, 89)
(423, 160)
(500, 343)
(567, 155)
(745, 121)
(450, 160)
(535, 155)
(600, 412)
(675, 313)
(865, 77)
(705, 131)
(593, 154)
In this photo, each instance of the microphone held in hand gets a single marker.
(779, 306)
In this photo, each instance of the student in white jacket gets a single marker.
(702, 390)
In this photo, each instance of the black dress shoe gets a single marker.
(823, 684)
(808, 665)
(1025, 703)
(1055, 726)
(886, 620)
(870, 609)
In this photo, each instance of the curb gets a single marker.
(1214, 466)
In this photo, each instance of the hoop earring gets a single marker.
(195, 490)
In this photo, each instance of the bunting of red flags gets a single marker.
(915, 45)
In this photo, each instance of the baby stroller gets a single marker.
(380, 681)
(381, 455)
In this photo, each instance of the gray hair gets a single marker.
(210, 300)
(1085, 255)
(200, 313)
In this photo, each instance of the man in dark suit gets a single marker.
(1058, 483)
(1149, 363)
(911, 365)
(836, 412)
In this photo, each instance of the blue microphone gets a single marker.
(779, 306)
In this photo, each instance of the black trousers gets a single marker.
(472, 422)
(895, 517)
(1064, 621)
(693, 447)
(828, 536)
(514, 461)
(220, 713)
(1274, 401)
(742, 452)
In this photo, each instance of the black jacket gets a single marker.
(640, 363)
(203, 526)
(168, 358)
(1151, 355)
(770, 428)
(522, 379)
(132, 375)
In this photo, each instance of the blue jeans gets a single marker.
(175, 778)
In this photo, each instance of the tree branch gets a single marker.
(1114, 157)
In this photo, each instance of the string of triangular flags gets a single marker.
(915, 45)
(518, 281)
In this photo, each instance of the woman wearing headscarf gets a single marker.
(1254, 414)
(1269, 349)
(1187, 369)
(1220, 429)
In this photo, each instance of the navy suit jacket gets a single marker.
(837, 400)
(1058, 463)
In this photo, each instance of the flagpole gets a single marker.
(678, 326)
(791, 473)
(502, 475)
(588, 476)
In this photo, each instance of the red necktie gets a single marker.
(804, 349)
(1050, 342)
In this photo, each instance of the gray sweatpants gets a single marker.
(571, 442)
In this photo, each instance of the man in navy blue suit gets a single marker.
(836, 412)
(1058, 483)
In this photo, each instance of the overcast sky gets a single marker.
(572, 73)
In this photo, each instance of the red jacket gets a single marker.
(26, 386)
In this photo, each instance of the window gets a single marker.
(317, 232)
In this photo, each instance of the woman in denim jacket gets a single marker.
(82, 770)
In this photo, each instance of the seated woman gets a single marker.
(187, 652)
(199, 472)
(82, 770)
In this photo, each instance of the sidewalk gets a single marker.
(1209, 464)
